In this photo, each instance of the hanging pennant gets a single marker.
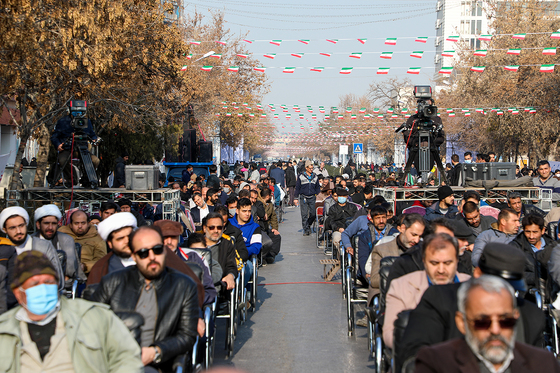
(317, 69)
(514, 51)
(391, 41)
(413, 70)
(421, 39)
(346, 70)
(357, 55)
(478, 69)
(363, 40)
(387, 55)
(417, 54)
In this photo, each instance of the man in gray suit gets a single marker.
(13, 222)
(46, 223)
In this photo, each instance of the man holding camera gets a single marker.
(62, 139)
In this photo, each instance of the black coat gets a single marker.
(237, 236)
(339, 216)
(535, 263)
(195, 213)
(456, 357)
(433, 320)
(177, 302)
(120, 177)
(290, 177)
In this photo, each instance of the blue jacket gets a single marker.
(251, 234)
(432, 214)
(308, 185)
(64, 130)
(357, 227)
(278, 174)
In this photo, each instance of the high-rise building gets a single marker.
(465, 18)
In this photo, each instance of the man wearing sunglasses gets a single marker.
(167, 300)
(222, 247)
(488, 319)
(433, 320)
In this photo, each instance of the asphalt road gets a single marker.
(300, 322)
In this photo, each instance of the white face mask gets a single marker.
(468, 160)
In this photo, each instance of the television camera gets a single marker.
(77, 110)
(423, 135)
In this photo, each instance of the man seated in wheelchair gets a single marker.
(166, 299)
(340, 216)
(223, 250)
(440, 255)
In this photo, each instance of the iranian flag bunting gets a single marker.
(221, 42)
(362, 40)
(298, 55)
(270, 55)
(515, 51)
(413, 70)
(421, 39)
(304, 41)
(357, 55)
(468, 114)
(448, 54)
(318, 69)
(391, 41)
(325, 54)
(184, 68)
(195, 42)
(481, 53)
(327, 116)
(453, 38)
(376, 110)
(362, 110)
(349, 109)
(261, 69)
(555, 35)
(485, 37)
(334, 41)
(478, 69)
(189, 56)
(452, 114)
(446, 70)
(387, 55)
(233, 68)
(248, 41)
(547, 68)
(549, 51)
(206, 68)
(519, 36)
(513, 68)
(242, 55)
(216, 55)
(346, 70)
(276, 42)
(383, 70)
(417, 54)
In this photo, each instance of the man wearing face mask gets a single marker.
(339, 216)
(228, 192)
(50, 333)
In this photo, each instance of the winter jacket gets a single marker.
(434, 213)
(278, 174)
(339, 216)
(93, 246)
(491, 235)
(290, 177)
(120, 178)
(62, 241)
(307, 185)
(213, 181)
(552, 184)
(251, 235)
(535, 262)
(98, 340)
(64, 130)
(237, 236)
(177, 307)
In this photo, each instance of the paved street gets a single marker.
(300, 323)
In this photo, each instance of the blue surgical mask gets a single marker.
(468, 160)
(41, 299)
(342, 200)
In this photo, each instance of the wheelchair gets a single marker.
(71, 291)
(375, 314)
(356, 287)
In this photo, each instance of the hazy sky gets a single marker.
(320, 20)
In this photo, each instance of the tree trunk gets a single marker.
(42, 156)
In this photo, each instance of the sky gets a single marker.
(318, 21)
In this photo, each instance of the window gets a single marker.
(479, 27)
(472, 43)
(479, 9)
(473, 27)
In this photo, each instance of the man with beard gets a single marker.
(445, 207)
(46, 222)
(222, 248)
(488, 318)
(115, 231)
(84, 233)
(165, 298)
(477, 222)
(13, 222)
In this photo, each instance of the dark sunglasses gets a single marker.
(484, 323)
(143, 254)
(212, 227)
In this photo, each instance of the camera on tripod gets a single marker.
(423, 93)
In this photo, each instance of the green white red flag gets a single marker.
(189, 56)
(206, 68)
(387, 55)
(391, 41)
(481, 53)
(485, 37)
(448, 54)
(195, 42)
(513, 68)
(248, 41)
(304, 41)
(242, 55)
(478, 69)
(221, 42)
(260, 69)
(421, 39)
(555, 35)
(514, 51)
(334, 41)
(298, 55)
(270, 55)
(383, 70)
(184, 68)
(519, 36)
(357, 55)
(446, 70)
(549, 51)
(325, 54)
(413, 70)
(417, 54)
(547, 68)
(216, 55)
(317, 69)
(346, 70)
(362, 40)
(453, 38)
(233, 68)
(276, 42)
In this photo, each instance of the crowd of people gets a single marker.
(467, 270)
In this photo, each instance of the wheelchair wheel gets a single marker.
(371, 339)
(343, 270)
(349, 305)
(379, 361)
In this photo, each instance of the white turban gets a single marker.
(116, 222)
(8, 212)
(47, 210)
